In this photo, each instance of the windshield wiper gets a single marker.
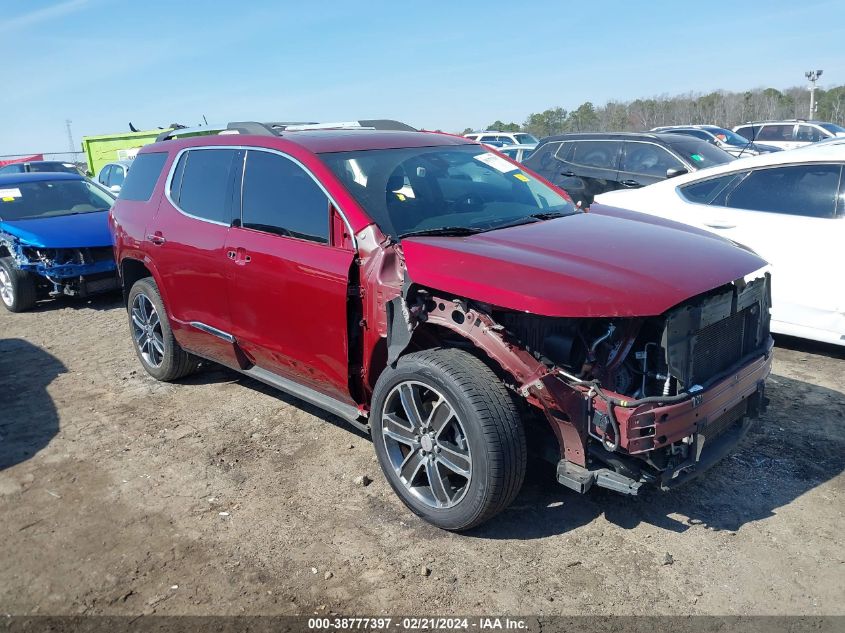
(443, 230)
(529, 219)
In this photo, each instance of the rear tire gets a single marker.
(156, 347)
(17, 287)
(449, 437)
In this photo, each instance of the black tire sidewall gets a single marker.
(23, 287)
(170, 359)
(467, 511)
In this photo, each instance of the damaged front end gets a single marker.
(78, 271)
(630, 400)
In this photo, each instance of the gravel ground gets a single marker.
(217, 495)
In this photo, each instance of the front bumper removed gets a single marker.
(713, 422)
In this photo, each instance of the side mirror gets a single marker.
(676, 171)
(115, 188)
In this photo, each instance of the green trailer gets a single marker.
(107, 148)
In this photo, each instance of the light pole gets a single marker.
(813, 76)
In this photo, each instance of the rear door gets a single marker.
(287, 280)
(793, 217)
(187, 240)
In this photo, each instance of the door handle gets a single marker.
(156, 238)
(239, 256)
(720, 225)
(567, 173)
(630, 183)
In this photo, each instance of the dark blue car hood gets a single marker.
(63, 231)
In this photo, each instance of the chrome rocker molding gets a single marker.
(343, 410)
(213, 331)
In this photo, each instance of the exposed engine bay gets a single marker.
(66, 271)
(630, 400)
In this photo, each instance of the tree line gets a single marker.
(721, 107)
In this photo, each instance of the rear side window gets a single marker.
(805, 190)
(282, 198)
(205, 187)
(117, 176)
(104, 175)
(775, 133)
(597, 154)
(142, 178)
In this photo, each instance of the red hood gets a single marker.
(579, 266)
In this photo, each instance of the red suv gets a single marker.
(449, 302)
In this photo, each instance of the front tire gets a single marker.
(448, 437)
(17, 287)
(152, 338)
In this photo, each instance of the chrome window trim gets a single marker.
(246, 149)
(168, 183)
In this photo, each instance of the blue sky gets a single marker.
(447, 65)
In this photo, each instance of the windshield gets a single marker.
(49, 198)
(416, 189)
(833, 128)
(525, 139)
(729, 137)
(67, 168)
(701, 154)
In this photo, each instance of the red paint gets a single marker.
(580, 265)
(289, 304)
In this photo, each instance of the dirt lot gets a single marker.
(121, 495)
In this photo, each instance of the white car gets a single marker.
(789, 134)
(505, 138)
(790, 208)
(112, 175)
(517, 152)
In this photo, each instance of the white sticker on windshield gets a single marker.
(10, 193)
(496, 162)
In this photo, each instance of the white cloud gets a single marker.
(41, 15)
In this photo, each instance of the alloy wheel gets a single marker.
(426, 444)
(146, 330)
(7, 292)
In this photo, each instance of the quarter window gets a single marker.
(805, 190)
(707, 191)
(142, 178)
(205, 190)
(282, 198)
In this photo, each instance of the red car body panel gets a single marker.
(578, 266)
(288, 307)
(316, 313)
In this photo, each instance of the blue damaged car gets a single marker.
(54, 238)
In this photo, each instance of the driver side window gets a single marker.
(648, 159)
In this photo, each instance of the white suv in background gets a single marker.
(789, 134)
(505, 138)
(731, 142)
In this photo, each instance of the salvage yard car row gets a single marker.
(442, 297)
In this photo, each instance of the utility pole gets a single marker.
(71, 146)
(813, 76)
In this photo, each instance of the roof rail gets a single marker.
(276, 128)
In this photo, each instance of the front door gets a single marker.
(287, 282)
